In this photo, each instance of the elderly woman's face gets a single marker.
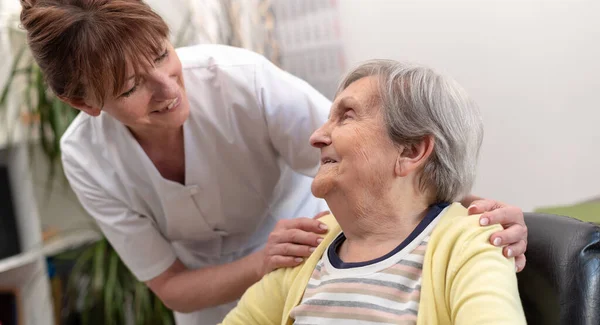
(356, 151)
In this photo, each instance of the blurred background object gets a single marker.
(588, 210)
(309, 36)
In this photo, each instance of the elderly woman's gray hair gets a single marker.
(417, 102)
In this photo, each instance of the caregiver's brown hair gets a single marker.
(83, 46)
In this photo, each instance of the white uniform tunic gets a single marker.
(248, 163)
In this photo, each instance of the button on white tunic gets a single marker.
(247, 158)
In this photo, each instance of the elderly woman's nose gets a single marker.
(320, 138)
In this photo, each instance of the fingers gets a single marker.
(512, 235)
(305, 224)
(288, 253)
(515, 250)
(291, 241)
(504, 216)
(295, 236)
(321, 214)
(481, 206)
(283, 255)
(520, 262)
(278, 261)
(292, 250)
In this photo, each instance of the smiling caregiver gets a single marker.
(195, 163)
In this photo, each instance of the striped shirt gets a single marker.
(381, 291)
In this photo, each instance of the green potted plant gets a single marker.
(101, 290)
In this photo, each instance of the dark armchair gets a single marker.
(561, 282)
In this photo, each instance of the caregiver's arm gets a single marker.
(514, 236)
(482, 283)
(185, 290)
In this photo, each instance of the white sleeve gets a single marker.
(293, 110)
(135, 238)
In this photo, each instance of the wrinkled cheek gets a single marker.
(361, 156)
(370, 172)
(372, 159)
(363, 144)
(362, 159)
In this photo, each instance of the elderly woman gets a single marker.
(400, 146)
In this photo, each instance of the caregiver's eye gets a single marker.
(162, 56)
(130, 91)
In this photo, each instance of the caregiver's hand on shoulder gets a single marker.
(514, 235)
(291, 241)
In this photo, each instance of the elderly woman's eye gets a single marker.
(347, 115)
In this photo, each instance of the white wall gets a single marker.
(533, 67)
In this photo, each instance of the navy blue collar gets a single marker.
(432, 212)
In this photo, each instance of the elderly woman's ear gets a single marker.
(412, 157)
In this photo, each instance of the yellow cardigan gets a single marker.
(465, 279)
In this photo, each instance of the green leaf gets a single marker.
(120, 294)
(70, 115)
(110, 286)
(43, 108)
(40, 88)
(57, 128)
(13, 73)
(82, 266)
(29, 93)
(46, 144)
(98, 275)
(141, 304)
(164, 314)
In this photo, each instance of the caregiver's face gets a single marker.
(158, 99)
(356, 151)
